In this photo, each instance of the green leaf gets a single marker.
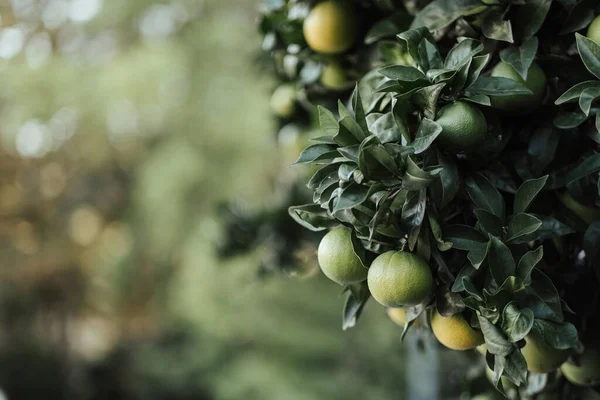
(427, 99)
(354, 128)
(530, 17)
(550, 228)
(429, 55)
(372, 154)
(495, 27)
(413, 213)
(441, 13)
(542, 148)
(489, 222)
(403, 73)
(528, 262)
(587, 167)
(436, 232)
(462, 53)
(515, 367)
(478, 255)
(568, 120)
(543, 298)
(388, 27)
(495, 341)
(587, 98)
(580, 16)
(312, 216)
(321, 174)
(343, 111)
(527, 192)
(412, 38)
(522, 224)
(573, 94)
(317, 152)
(416, 178)
(426, 133)
(464, 237)
(502, 263)
(560, 336)
(591, 242)
(327, 121)
(589, 51)
(497, 86)
(516, 323)
(485, 195)
(350, 152)
(520, 58)
(359, 111)
(354, 305)
(444, 189)
(351, 196)
(478, 63)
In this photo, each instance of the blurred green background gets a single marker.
(124, 124)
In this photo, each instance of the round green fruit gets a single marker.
(587, 371)
(337, 258)
(333, 77)
(331, 27)
(520, 103)
(399, 278)
(283, 100)
(593, 31)
(463, 127)
(540, 357)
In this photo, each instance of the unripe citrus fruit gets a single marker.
(587, 371)
(455, 332)
(331, 27)
(337, 258)
(398, 315)
(283, 100)
(333, 77)
(540, 357)
(463, 126)
(593, 31)
(520, 103)
(399, 278)
(586, 213)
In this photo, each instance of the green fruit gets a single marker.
(463, 127)
(455, 332)
(540, 357)
(331, 27)
(586, 213)
(283, 100)
(333, 77)
(593, 31)
(520, 103)
(337, 258)
(399, 278)
(587, 371)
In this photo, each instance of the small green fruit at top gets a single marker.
(520, 103)
(337, 258)
(331, 27)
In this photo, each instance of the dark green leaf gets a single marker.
(429, 55)
(343, 111)
(359, 111)
(327, 121)
(587, 98)
(561, 336)
(312, 216)
(444, 189)
(317, 152)
(413, 213)
(426, 133)
(427, 99)
(580, 16)
(354, 128)
(568, 120)
(464, 237)
(478, 255)
(502, 263)
(485, 195)
(520, 58)
(412, 38)
(572, 94)
(495, 27)
(355, 302)
(489, 222)
(550, 228)
(416, 178)
(588, 166)
(590, 54)
(350, 152)
(516, 323)
(462, 53)
(542, 147)
(521, 225)
(495, 341)
(441, 13)
(403, 73)
(478, 63)
(516, 367)
(543, 298)
(530, 17)
(497, 86)
(528, 262)
(321, 174)
(352, 195)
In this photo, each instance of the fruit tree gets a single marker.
(457, 171)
